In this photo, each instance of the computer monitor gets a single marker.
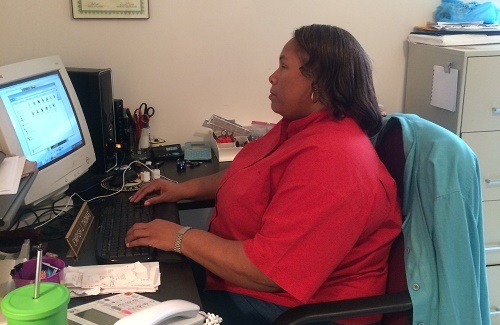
(41, 119)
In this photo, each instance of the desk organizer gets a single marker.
(26, 274)
(224, 151)
(217, 124)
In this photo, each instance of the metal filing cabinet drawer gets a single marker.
(486, 146)
(482, 98)
(493, 273)
(491, 225)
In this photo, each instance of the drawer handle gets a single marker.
(496, 110)
(492, 181)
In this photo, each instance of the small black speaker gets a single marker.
(95, 93)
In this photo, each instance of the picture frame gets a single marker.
(110, 9)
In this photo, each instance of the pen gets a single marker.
(130, 119)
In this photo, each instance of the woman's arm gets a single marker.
(225, 258)
(196, 189)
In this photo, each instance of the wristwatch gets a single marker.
(178, 239)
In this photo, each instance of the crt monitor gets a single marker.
(41, 119)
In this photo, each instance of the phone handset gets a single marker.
(167, 312)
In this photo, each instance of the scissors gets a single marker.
(141, 121)
(148, 110)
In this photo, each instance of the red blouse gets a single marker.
(316, 209)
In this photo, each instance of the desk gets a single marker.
(177, 281)
(169, 170)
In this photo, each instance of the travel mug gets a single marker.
(50, 308)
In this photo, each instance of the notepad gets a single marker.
(11, 171)
(444, 88)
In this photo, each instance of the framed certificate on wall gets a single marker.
(115, 9)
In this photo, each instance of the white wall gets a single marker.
(196, 58)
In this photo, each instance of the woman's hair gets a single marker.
(341, 73)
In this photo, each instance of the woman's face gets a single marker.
(290, 89)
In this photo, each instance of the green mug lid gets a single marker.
(19, 304)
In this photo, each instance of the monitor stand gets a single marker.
(10, 204)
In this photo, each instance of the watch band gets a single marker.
(178, 239)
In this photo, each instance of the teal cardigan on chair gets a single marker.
(443, 227)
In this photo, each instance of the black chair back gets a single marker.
(391, 152)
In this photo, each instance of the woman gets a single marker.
(304, 214)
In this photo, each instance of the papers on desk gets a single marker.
(11, 171)
(117, 278)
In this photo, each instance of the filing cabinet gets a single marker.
(476, 119)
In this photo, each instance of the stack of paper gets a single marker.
(11, 171)
(461, 27)
(454, 40)
(117, 278)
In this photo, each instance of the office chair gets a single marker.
(397, 298)
(408, 157)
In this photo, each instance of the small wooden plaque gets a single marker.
(78, 231)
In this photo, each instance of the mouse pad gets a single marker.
(129, 186)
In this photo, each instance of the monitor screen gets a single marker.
(41, 119)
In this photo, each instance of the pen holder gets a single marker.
(24, 273)
(144, 139)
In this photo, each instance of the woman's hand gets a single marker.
(158, 233)
(167, 192)
(201, 188)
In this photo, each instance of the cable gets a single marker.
(123, 156)
(21, 218)
(100, 196)
(90, 187)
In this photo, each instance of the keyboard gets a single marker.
(116, 215)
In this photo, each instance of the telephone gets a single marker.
(133, 308)
(170, 151)
(197, 151)
(178, 312)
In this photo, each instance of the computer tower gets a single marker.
(95, 93)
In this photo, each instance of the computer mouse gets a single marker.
(117, 180)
